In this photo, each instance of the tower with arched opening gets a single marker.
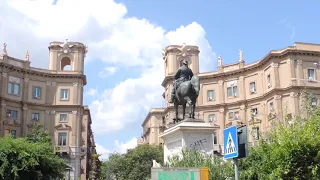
(67, 56)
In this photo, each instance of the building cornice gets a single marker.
(44, 72)
(31, 104)
(152, 111)
(252, 66)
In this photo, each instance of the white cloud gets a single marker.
(104, 153)
(108, 71)
(119, 147)
(112, 38)
(123, 147)
(130, 99)
(92, 92)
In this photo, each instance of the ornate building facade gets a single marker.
(52, 97)
(255, 94)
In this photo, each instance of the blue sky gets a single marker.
(125, 43)
(256, 28)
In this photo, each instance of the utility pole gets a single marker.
(236, 168)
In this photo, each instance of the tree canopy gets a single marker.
(26, 159)
(290, 151)
(134, 164)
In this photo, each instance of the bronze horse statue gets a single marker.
(187, 93)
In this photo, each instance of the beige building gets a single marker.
(53, 98)
(255, 94)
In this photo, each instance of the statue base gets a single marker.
(191, 134)
(186, 120)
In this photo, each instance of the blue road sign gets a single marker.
(230, 142)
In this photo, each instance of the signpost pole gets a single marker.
(236, 168)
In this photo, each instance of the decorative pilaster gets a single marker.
(201, 95)
(241, 89)
(47, 121)
(24, 120)
(263, 113)
(2, 115)
(4, 84)
(75, 95)
(74, 123)
(25, 89)
(300, 73)
(276, 78)
(261, 83)
(52, 122)
(295, 101)
(292, 73)
(221, 92)
(243, 116)
(1, 77)
(48, 93)
(222, 124)
(279, 106)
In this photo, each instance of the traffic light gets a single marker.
(242, 142)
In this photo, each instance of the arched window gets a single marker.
(66, 64)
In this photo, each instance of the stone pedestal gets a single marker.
(189, 133)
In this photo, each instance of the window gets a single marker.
(14, 88)
(211, 117)
(271, 106)
(255, 133)
(252, 87)
(215, 138)
(314, 101)
(254, 111)
(311, 74)
(35, 116)
(230, 115)
(232, 91)
(64, 94)
(13, 133)
(269, 80)
(36, 93)
(8, 132)
(62, 139)
(210, 95)
(63, 117)
(12, 114)
(236, 115)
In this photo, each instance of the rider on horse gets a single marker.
(183, 74)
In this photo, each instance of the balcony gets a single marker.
(61, 148)
(146, 131)
(216, 147)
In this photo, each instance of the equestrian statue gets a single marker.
(186, 88)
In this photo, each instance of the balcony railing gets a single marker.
(61, 148)
(216, 147)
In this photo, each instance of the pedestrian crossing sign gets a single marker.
(230, 142)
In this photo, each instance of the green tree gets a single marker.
(103, 170)
(39, 134)
(218, 169)
(288, 151)
(134, 164)
(95, 167)
(30, 158)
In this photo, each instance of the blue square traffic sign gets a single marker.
(230, 142)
